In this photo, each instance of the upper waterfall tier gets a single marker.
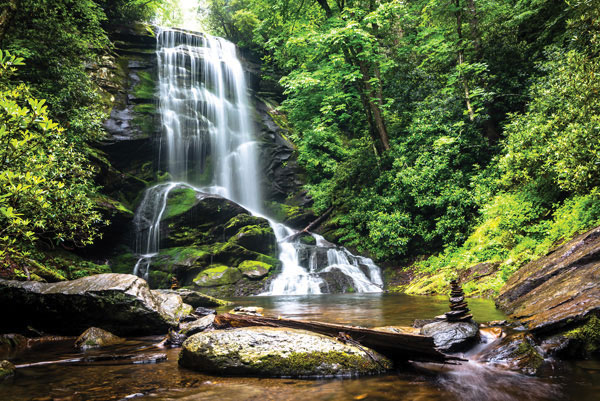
(204, 108)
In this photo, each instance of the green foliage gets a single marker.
(45, 182)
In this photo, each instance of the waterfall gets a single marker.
(208, 144)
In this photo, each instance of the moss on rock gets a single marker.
(217, 275)
(180, 201)
(254, 269)
(587, 337)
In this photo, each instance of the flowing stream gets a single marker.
(208, 144)
(58, 371)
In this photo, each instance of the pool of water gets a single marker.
(71, 378)
(368, 310)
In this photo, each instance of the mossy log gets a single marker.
(396, 346)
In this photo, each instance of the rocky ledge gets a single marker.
(120, 303)
(557, 297)
(277, 352)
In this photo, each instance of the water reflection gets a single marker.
(369, 310)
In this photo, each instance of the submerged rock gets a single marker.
(120, 303)
(277, 352)
(96, 338)
(7, 369)
(516, 351)
(452, 336)
(559, 290)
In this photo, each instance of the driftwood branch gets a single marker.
(396, 346)
(309, 227)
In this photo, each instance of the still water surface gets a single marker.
(121, 379)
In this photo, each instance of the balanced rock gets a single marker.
(277, 352)
(458, 306)
(96, 338)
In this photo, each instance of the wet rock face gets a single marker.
(214, 244)
(276, 352)
(516, 351)
(96, 338)
(120, 303)
(561, 289)
(452, 336)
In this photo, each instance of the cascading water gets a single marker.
(208, 145)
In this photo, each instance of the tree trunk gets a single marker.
(461, 60)
(325, 6)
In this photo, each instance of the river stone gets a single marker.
(198, 325)
(96, 338)
(120, 303)
(277, 352)
(559, 290)
(452, 336)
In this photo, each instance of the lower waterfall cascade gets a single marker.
(205, 116)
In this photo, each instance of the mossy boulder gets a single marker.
(277, 352)
(96, 338)
(218, 275)
(257, 238)
(254, 269)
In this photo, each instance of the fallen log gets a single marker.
(396, 346)
(309, 227)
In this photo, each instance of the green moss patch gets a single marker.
(588, 335)
(218, 275)
(180, 201)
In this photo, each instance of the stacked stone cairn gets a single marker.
(458, 306)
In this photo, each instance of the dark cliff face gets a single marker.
(559, 291)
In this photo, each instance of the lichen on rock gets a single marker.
(277, 352)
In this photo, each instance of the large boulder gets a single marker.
(277, 352)
(120, 303)
(558, 291)
(452, 336)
